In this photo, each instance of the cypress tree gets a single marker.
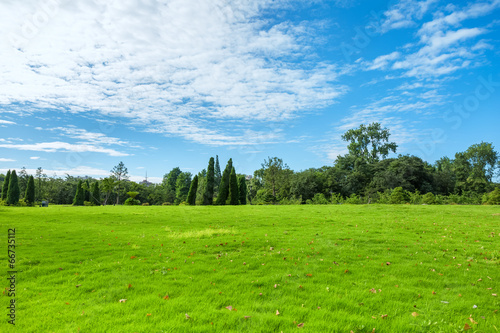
(96, 194)
(224, 184)
(242, 188)
(29, 196)
(5, 187)
(191, 199)
(217, 173)
(234, 195)
(208, 196)
(13, 191)
(79, 195)
(87, 190)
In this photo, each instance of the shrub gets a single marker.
(353, 200)
(291, 201)
(166, 204)
(319, 199)
(415, 197)
(398, 196)
(146, 204)
(429, 199)
(492, 198)
(88, 203)
(336, 198)
(132, 202)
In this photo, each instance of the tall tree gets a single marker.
(79, 195)
(242, 189)
(273, 174)
(369, 143)
(23, 178)
(121, 173)
(169, 183)
(208, 195)
(39, 176)
(108, 184)
(234, 194)
(13, 191)
(217, 174)
(87, 190)
(5, 187)
(95, 195)
(224, 184)
(29, 196)
(191, 198)
(182, 187)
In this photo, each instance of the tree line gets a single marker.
(364, 175)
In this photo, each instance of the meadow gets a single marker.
(335, 268)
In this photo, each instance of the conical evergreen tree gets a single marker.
(191, 199)
(95, 197)
(13, 191)
(217, 174)
(79, 195)
(208, 195)
(5, 187)
(242, 189)
(29, 196)
(87, 191)
(224, 184)
(234, 195)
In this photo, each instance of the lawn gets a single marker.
(336, 268)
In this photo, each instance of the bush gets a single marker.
(166, 204)
(146, 204)
(429, 199)
(291, 201)
(398, 196)
(415, 197)
(319, 199)
(336, 198)
(88, 203)
(132, 202)
(353, 200)
(492, 198)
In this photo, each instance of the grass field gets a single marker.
(336, 268)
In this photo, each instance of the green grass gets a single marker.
(441, 262)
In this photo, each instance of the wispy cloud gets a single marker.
(6, 122)
(7, 160)
(59, 146)
(404, 13)
(172, 68)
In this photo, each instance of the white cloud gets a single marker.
(171, 67)
(34, 157)
(404, 13)
(7, 160)
(58, 146)
(383, 61)
(6, 122)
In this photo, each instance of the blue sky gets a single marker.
(159, 84)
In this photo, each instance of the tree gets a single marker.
(79, 195)
(87, 190)
(13, 191)
(39, 176)
(121, 173)
(29, 196)
(234, 194)
(224, 184)
(208, 195)
(217, 174)
(169, 183)
(273, 175)
(475, 168)
(369, 143)
(182, 187)
(5, 187)
(95, 194)
(191, 198)
(23, 178)
(242, 189)
(108, 184)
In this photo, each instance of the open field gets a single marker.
(333, 268)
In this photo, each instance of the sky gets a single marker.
(160, 84)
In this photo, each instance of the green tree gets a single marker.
(217, 175)
(13, 191)
(274, 174)
(242, 189)
(5, 187)
(191, 198)
(23, 178)
(95, 194)
(108, 184)
(29, 196)
(369, 143)
(208, 195)
(182, 187)
(224, 184)
(79, 195)
(87, 190)
(169, 183)
(120, 172)
(234, 194)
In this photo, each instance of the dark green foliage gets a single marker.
(492, 198)
(95, 194)
(234, 194)
(182, 187)
(398, 196)
(217, 174)
(5, 187)
(169, 183)
(369, 143)
(191, 198)
(224, 184)
(429, 199)
(29, 196)
(13, 191)
(79, 195)
(120, 172)
(242, 189)
(87, 190)
(208, 195)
